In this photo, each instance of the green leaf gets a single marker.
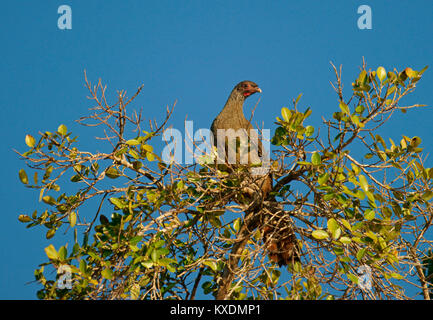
(147, 264)
(133, 248)
(370, 197)
(237, 224)
(150, 156)
(387, 213)
(359, 109)
(403, 143)
(30, 141)
(135, 240)
(112, 173)
(49, 200)
(132, 142)
(380, 140)
(51, 252)
(392, 76)
(180, 185)
(62, 253)
(305, 163)
(297, 99)
(334, 228)
(381, 73)
(410, 177)
(422, 70)
(135, 291)
(360, 254)
(163, 251)
(107, 273)
(24, 218)
(369, 214)
(320, 234)
(345, 240)
(154, 255)
(352, 278)
(428, 195)
(309, 130)
(121, 151)
(117, 202)
(147, 147)
(207, 287)
(211, 264)
(137, 165)
(83, 267)
(396, 275)
(362, 77)
(316, 159)
(410, 72)
(332, 225)
(355, 120)
(389, 92)
(72, 219)
(415, 142)
(323, 178)
(215, 221)
(76, 178)
(23, 176)
(134, 154)
(50, 233)
(344, 108)
(346, 224)
(337, 116)
(355, 169)
(381, 155)
(370, 236)
(363, 182)
(286, 113)
(62, 129)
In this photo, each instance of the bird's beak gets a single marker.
(251, 90)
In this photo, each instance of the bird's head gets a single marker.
(247, 88)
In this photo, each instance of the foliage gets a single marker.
(166, 231)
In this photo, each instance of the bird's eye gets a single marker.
(245, 85)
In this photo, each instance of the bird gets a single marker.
(281, 246)
(231, 125)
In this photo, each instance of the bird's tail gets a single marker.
(278, 234)
(281, 245)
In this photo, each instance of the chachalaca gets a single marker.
(282, 246)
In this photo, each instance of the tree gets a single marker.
(360, 206)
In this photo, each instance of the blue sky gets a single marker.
(193, 52)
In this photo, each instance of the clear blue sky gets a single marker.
(193, 52)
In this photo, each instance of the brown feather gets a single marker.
(282, 248)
